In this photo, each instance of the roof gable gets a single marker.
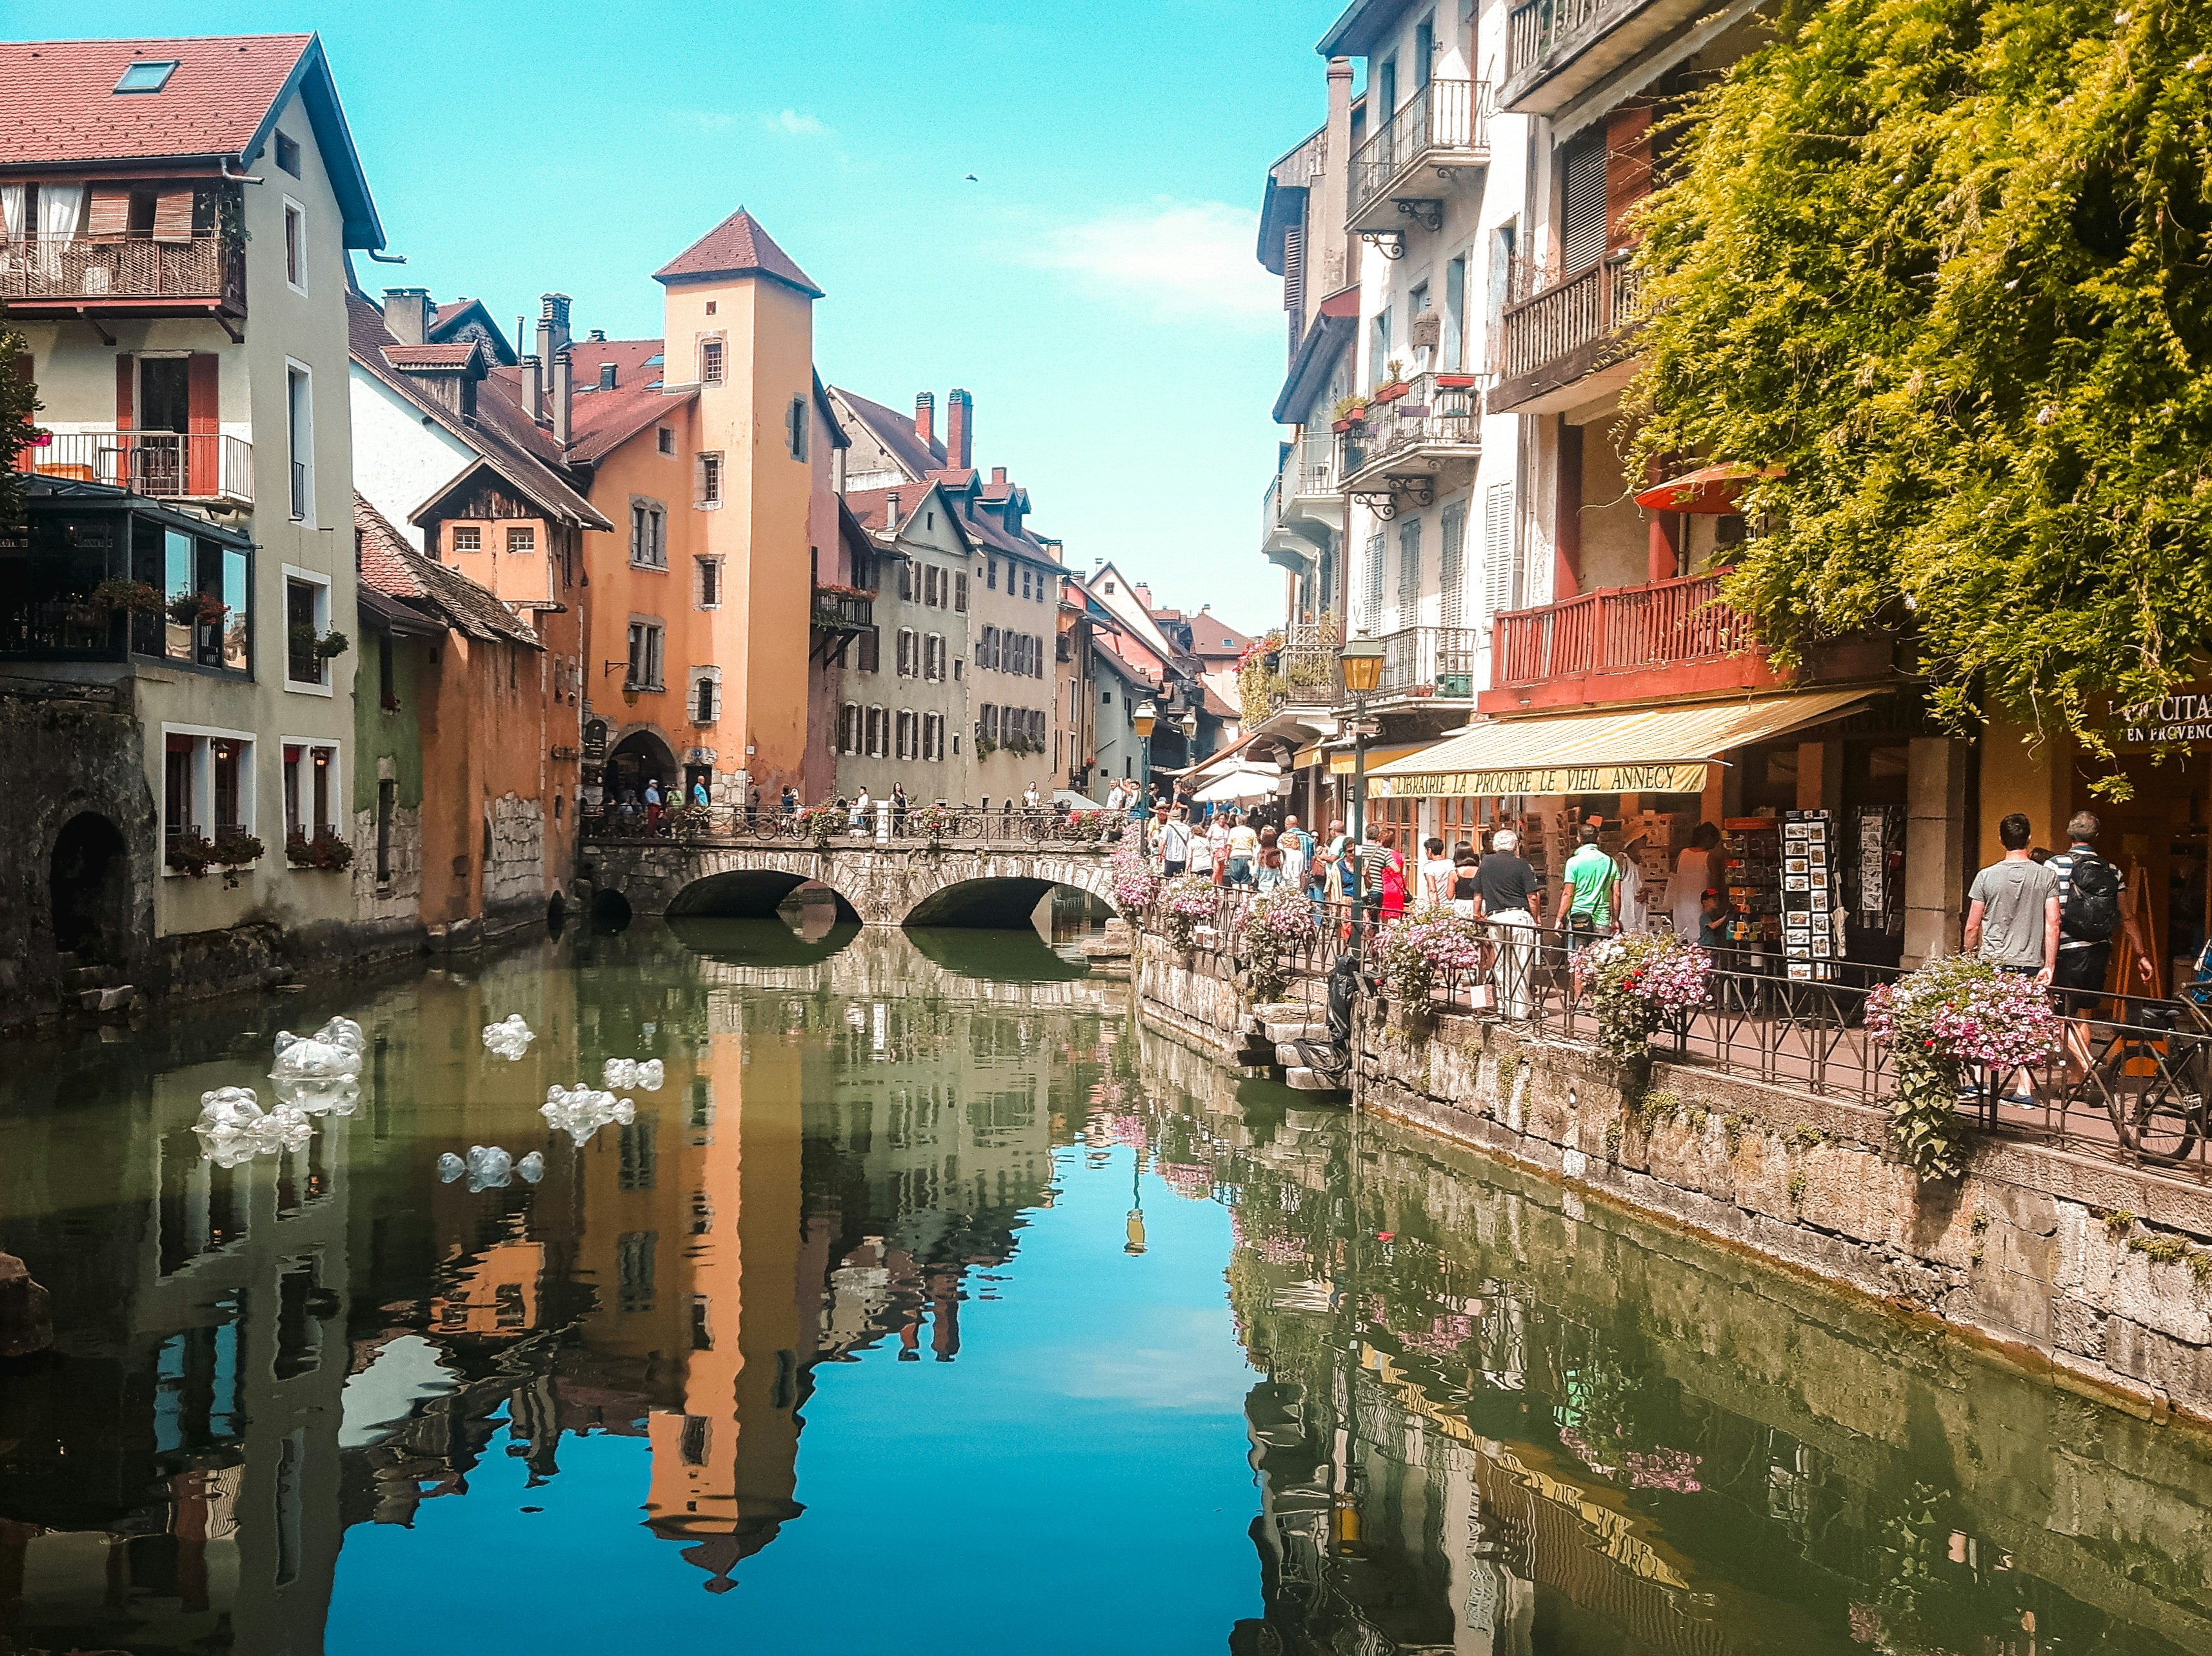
(737, 247)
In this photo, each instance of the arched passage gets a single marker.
(641, 756)
(750, 894)
(998, 902)
(89, 885)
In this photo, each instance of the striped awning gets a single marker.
(1654, 750)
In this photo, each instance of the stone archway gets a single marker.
(750, 894)
(88, 889)
(641, 755)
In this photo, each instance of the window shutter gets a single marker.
(960, 593)
(906, 580)
(1371, 607)
(172, 214)
(126, 387)
(1582, 202)
(110, 214)
(1451, 568)
(204, 457)
(1409, 573)
(1497, 572)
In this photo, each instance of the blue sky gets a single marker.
(1095, 289)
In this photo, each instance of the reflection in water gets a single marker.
(931, 1211)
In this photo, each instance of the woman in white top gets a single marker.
(1217, 847)
(1435, 875)
(1695, 870)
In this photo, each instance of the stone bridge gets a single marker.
(897, 884)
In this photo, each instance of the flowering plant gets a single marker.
(1277, 925)
(1639, 980)
(1186, 903)
(1136, 886)
(819, 822)
(324, 850)
(934, 822)
(1953, 1012)
(1415, 948)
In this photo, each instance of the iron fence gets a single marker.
(827, 826)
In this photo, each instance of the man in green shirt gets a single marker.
(1589, 892)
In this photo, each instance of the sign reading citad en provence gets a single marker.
(2183, 719)
(1532, 780)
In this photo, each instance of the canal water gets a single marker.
(930, 1306)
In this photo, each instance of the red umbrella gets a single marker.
(1710, 489)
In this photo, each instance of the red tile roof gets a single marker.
(457, 355)
(895, 432)
(381, 553)
(58, 102)
(392, 567)
(737, 247)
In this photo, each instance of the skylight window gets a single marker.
(148, 76)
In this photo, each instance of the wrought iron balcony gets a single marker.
(1405, 443)
(843, 609)
(1620, 630)
(199, 465)
(1397, 175)
(1427, 664)
(1305, 672)
(47, 275)
(1565, 333)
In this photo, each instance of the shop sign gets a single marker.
(595, 741)
(1545, 779)
(2183, 719)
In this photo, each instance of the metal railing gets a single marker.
(1308, 671)
(1315, 458)
(299, 490)
(1536, 29)
(838, 610)
(1443, 117)
(166, 464)
(1440, 411)
(1420, 662)
(2132, 1082)
(1592, 304)
(829, 826)
(1618, 629)
(210, 266)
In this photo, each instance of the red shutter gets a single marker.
(203, 447)
(172, 213)
(126, 387)
(108, 215)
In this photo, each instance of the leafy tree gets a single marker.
(1950, 263)
(18, 402)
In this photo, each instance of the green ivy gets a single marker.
(1949, 263)
(19, 400)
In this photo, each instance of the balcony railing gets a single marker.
(1581, 310)
(1618, 631)
(210, 266)
(165, 465)
(1443, 123)
(838, 609)
(1308, 672)
(1439, 416)
(1419, 663)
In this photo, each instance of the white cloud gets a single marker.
(794, 123)
(1189, 259)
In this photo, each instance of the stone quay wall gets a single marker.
(2096, 1273)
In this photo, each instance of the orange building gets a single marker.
(712, 451)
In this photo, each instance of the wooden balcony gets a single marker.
(1623, 643)
(1567, 342)
(1556, 49)
(197, 465)
(1398, 174)
(843, 610)
(81, 276)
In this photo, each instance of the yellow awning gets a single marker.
(1644, 751)
(1341, 762)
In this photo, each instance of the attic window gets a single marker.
(288, 155)
(148, 76)
(606, 376)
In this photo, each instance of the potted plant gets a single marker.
(1394, 386)
(1640, 982)
(332, 644)
(135, 597)
(1455, 381)
(1941, 1022)
(189, 853)
(198, 610)
(1349, 413)
(325, 851)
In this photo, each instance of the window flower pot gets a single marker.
(1455, 381)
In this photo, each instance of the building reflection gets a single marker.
(250, 1360)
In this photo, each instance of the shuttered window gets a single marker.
(1370, 596)
(1500, 578)
(1582, 202)
(1409, 573)
(172, 214)
(108, 213)
(1451, 565)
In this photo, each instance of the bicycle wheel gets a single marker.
(2169, 1114)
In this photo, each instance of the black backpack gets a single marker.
(2092, 900)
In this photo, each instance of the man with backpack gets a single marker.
(2089, 913)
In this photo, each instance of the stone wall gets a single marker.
(399, 900)
(2084, 1267)
(516, 874)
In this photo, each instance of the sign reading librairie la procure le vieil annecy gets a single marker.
(1531, 780)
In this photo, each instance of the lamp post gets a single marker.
(1142, 721)
(1363, 670)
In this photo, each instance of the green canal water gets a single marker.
(930, 1306)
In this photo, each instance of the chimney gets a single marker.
(890, 512)
(925, 417)
(533, 387)
(563, 392)
(552, 325)
(998, 476)
(407, 314)
(1327, 264)
(959, 429)
(599, 336)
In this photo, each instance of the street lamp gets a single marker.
(1142, 721)
(1363, 670)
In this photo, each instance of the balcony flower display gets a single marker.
(819, 823)
(197, 609)
(1187, 902)
(325, 851)
(1136, 884)
(931, 822)
(1640, 982)
(136, 596)
(1953, 1013)
(1418, 948)
(1394, 386)
(1276, 927)
(1349, 411)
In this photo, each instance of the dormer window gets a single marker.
(606, 376)
(151, 75)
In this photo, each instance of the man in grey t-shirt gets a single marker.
(2012, 918)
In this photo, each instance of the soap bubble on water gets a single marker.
(450, 1168)
(646, 1075)
(510, 1037)
(332, 1053)
(489, 1167)
(233, 1127)
(582, 1110)
(530, 1168)
(319, 1096)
